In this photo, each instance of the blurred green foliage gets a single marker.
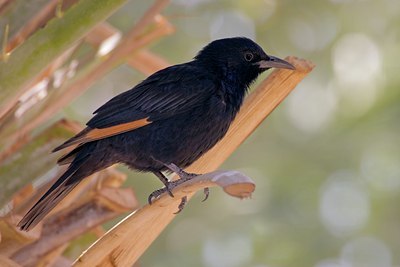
(326, 162)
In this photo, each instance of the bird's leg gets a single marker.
(155, 194)
(186, 176)
(181, 173)
(165, 181)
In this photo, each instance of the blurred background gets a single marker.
(326, 162)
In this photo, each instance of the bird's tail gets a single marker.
(52, 197)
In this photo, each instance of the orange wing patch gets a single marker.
(88, 134)
(96, 134)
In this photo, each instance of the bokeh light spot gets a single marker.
(380, 166)
(230, 24)
(312, 33)
(331, 263)
(311, 106)
(231, 251)
(356, 58)
(357, 63)
(366, 252)
(344, 205)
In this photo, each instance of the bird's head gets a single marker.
(238, 59)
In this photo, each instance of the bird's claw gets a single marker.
(206, 193)
(181, 205)
(169, 191)
(168, 188)
(157, 193)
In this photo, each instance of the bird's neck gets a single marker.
(234, 81)
(234, 90)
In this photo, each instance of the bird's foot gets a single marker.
(157, 193)
(168, 188)
(184, 176)
(187, 176)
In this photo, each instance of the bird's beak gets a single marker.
(274, 62)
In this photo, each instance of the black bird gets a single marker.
(165, 122)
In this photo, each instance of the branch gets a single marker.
(126, 242)
(12, 239)
(6, 262)
(45, 45)
(147, 62)
(34, 159)
(46, 13)
(143, 223)
(72, 88)
(78, 219)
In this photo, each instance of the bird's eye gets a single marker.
(248, 56)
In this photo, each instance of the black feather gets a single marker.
(49, 200)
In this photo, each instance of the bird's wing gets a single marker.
(166, 93)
